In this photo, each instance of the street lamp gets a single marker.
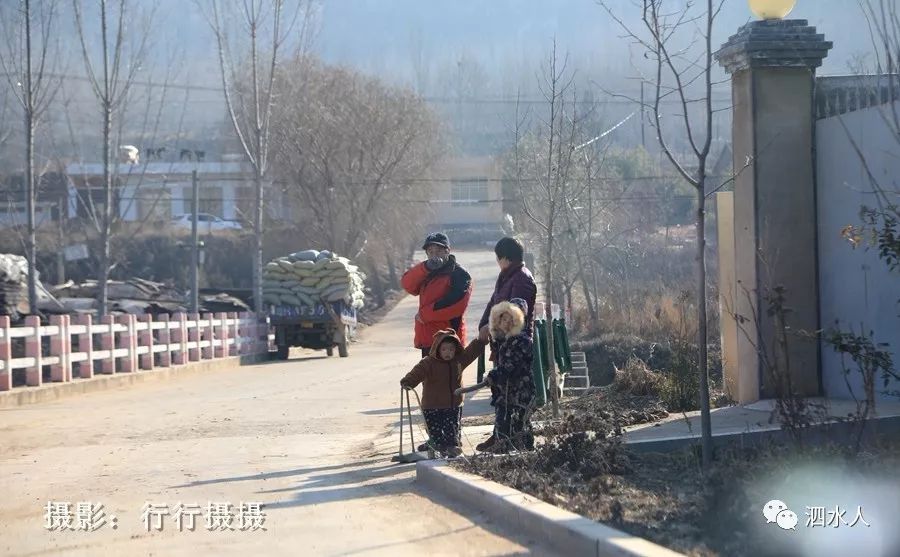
(772, 9)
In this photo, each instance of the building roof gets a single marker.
(161, 168)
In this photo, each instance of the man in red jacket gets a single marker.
(443, 288)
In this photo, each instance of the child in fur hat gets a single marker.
(440, 374)
(512, 382)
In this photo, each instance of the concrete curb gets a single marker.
(21, 396)
(566, 532)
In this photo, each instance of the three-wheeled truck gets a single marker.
(324, 326)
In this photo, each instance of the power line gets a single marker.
(425, 201)
(609, 98)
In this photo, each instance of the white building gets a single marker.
(157, 191)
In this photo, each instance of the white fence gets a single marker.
(122, 344)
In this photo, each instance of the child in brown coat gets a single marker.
(440, 374)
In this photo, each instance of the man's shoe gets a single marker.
(486, 444)
(423, 447)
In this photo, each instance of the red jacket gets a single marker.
(443, 299)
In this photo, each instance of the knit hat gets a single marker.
(437, 239)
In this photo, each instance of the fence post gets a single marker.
(58, 349)
(67, 346)
(86, 345)
(194, 337)
(181, 339)
(240, 345)
(221, 336)
(127, 341)
(234, 333)
(207, 334)
(108, 343)
(5, 355)
(165, 339)
(33, 373)
(262, 335)
(145, 340)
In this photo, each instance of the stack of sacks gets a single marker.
(308, 278)
(13, 285)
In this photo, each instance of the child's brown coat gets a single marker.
(439, 378)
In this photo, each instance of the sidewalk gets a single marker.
(759, 417)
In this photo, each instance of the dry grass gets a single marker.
(637, 379)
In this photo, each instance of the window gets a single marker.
(469, 192)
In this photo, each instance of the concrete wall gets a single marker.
(856, 287)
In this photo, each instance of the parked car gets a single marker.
(205, 222)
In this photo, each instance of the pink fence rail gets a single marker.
(76, 347)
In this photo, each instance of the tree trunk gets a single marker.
(107, 177)
(377, 285)
(705, 426)
(392, 272)
(30, 242)
(106, 225)
(588, 300)
(548, 315)
(258, 244)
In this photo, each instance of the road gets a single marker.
(297, 436)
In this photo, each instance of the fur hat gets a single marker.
(514, 311)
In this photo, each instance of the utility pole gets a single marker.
(643, 119)
(60, 255)
(195, 248)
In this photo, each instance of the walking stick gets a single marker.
(400, 450)
(413, 455)
(475, 387)
(409, 416)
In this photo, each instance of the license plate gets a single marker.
(307, 324)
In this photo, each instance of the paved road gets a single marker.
(298, 436)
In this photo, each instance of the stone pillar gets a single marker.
(772, 65)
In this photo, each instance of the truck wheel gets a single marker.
(283, 351)
(342, 346)
(329, 351)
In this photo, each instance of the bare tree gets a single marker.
(27, 59)
(683, 71)
(251, 37)
(545, 162)
(351, 152)
(111, 68)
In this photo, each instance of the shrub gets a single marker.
(637, 379)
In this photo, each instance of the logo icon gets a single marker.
(787, 520)
(771, 510)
